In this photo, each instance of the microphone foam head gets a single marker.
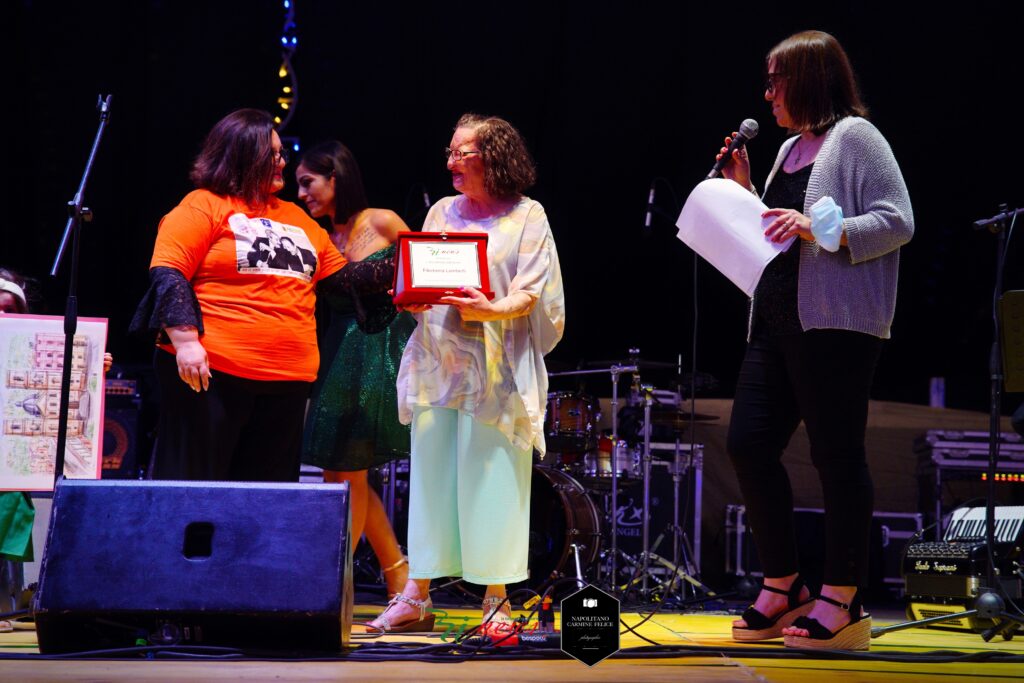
(749, 128)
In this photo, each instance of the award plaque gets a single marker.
(431, 265)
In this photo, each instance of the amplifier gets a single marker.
(944, 577)
(946, 456)
(121, 387)
(122, 429)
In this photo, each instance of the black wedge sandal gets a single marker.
(759, 627)
(854, 636)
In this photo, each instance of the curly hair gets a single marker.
(508, 166)
(821, 88)
(333, 159)
(237, 159)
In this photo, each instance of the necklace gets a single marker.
(341, 240)
(799, 153)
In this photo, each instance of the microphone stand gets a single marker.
(989, 604)
(77, 212)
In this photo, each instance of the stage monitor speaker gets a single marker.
(245, 565)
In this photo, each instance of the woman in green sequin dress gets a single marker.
(353, 416)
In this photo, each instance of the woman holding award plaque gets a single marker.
(473, 383)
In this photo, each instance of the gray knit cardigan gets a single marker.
(855, 287)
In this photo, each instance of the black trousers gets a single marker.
(238, 430)
(822, 377)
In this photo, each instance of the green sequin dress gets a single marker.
(353, 415)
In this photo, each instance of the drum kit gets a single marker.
(586, 469)
(585, 519)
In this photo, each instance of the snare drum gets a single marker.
(601, 464)
(570, 423)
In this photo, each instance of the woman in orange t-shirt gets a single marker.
(234, 276)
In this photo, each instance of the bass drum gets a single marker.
(561, 514)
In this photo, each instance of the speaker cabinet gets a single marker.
(246, 565)
(120, 441)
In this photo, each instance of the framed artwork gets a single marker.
(31, 366)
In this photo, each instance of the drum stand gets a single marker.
(681, 549)
(615, 370)
(642, 564)
(680, 542)
(389, 476)
(645, 555)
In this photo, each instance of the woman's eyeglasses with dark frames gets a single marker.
(457, 154)
(772, 82)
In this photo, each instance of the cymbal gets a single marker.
(640, 363)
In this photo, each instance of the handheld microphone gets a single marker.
(650, 206)
(748, 131)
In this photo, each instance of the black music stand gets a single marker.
(1007, 345)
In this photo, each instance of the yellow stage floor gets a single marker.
(692, 630)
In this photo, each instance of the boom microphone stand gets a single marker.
(989, 604)
(77, 212)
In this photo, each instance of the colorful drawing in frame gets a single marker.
(31, 364)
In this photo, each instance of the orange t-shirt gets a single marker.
(254, 275)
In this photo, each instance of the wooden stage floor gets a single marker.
(723, 660)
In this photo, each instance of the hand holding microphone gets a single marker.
(732, 160)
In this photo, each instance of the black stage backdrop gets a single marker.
(609, 96)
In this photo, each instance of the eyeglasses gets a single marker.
(280, 155)
(773, 82)
(457, 154)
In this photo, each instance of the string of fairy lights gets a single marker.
(288, 98)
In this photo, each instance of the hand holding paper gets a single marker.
(722, 222)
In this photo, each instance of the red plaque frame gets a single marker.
(405, 293)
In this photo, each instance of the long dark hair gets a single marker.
(333, 159)
(508, 166)
(820, 84)
(237, 159)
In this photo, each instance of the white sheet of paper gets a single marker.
(722, 223)
(444, 264)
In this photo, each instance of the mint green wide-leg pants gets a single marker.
(469, 500)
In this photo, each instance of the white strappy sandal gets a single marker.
(425, 622)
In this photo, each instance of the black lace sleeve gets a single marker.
(361, 277)
(168, 302)
(366, 284)
(374, 312)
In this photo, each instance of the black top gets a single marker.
(775, 302)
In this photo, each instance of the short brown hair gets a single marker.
(820, 85)
(508, 166)
(237, 159)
